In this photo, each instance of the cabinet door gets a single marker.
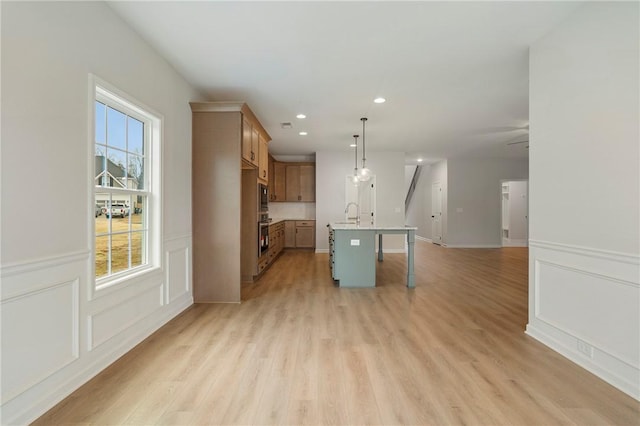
(307, 183)
(305, 237)
(281, 237)
(293, 183)
(271, 184)
(255, 146)
(279, 179)
(290, 233)
(263, 163)
(247, 131)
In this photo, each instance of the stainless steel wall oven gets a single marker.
(263, 237)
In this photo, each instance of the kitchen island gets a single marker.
(352, 252)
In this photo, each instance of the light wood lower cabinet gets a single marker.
(290, 234)
(276, 245)
(305, 234)
(300, 234)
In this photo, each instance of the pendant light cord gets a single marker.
(364, 159)
(356, 162)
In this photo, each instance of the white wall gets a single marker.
(474, 200)
(56, 333)
(473, 184)
(331, 169)
(584, 298)
(286, 210)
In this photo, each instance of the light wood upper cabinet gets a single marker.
(277, 173)
(307, 183)
(263, 159)
(279, 181)
(293, 183)
(255, 147)
(301, 182)
(271, 184)
(247, 136)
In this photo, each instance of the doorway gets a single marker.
(514, 231)
(436, 213)
(364, 195)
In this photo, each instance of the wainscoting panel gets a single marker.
(58, 333)
(585, 304)
(178, 272)
(40, 320)
(47, 339)
(112, 321)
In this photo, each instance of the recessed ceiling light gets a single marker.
(379, 100)
(419, 160)
(303, 133)
(301, 116)
(353, 145)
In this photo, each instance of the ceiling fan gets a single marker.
(500, 129)
(519, 142)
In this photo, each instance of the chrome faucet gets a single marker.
(357, 217)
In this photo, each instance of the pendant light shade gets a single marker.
(355, 179)
(365, 174)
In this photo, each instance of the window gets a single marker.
(126, 181)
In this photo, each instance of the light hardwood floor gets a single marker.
(298, 350)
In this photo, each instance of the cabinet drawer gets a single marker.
(305, 222)
(262, 263)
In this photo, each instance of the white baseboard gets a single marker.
(427, 240)
(584, 303)
(318, 251)
(386, 250)
(506, 242)
(478, 246)
(605, 367)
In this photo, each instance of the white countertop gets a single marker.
(280, 219)
(366, 227)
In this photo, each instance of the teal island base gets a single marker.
(352, 253)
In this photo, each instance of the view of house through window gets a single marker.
(121, 186)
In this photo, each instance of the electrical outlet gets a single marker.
(585, 348)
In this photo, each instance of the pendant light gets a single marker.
(355, 179)
(365, 174)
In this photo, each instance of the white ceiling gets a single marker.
(450, 71)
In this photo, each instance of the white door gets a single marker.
(515, 215)
(365, 196)
(436, 213)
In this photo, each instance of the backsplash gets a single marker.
(292, 210)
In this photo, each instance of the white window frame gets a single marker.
(107, 94)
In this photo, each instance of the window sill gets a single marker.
(109, 285)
